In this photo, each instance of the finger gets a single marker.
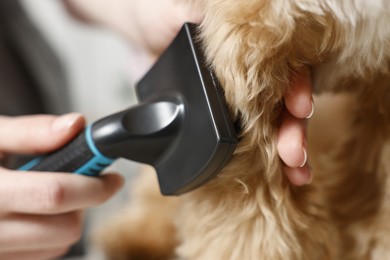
(291, 141)
(298, 176)
(35, 254)
(38, 133)
(33, 232)
(299, 99)
(53, 193)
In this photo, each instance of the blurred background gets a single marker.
(52, 63)
(94, 60)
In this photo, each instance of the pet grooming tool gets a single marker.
(180, 126)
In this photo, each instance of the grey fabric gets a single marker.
(32, 79)
(15, 97)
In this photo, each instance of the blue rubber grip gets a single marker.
(80, 156)
(96, 164)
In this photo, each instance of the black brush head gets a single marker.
(201, 137)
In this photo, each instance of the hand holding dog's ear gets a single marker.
(292, 147)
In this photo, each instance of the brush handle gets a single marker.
(78, 156)
(142, 133)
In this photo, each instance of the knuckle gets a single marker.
(51, 196)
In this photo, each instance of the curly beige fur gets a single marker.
(250, 211)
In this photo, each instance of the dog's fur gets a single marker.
(250, 211)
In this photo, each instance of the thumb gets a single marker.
(38, 133)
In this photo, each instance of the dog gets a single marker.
(250, 211)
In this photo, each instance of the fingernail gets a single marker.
(310, 180)
(312, 110)
(65, 121)
(304, 158)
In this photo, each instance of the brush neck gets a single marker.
(141, 133)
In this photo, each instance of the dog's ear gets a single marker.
(248, 55)
(254, 46)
